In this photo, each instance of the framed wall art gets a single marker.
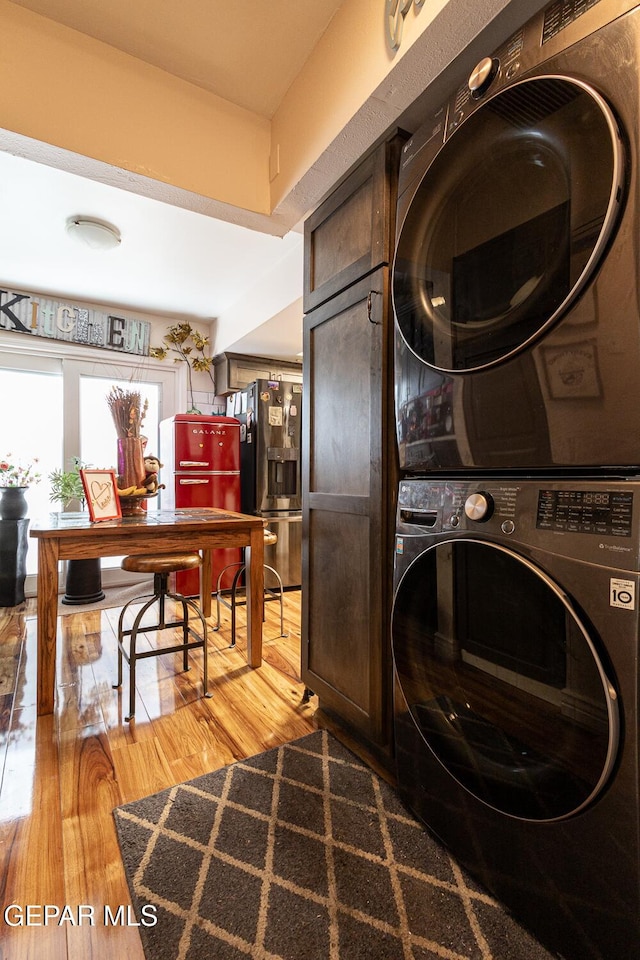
(101, 494)
(572, 371)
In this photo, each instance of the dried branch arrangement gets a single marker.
(128, 411)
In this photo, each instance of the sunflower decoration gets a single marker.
(190, 347)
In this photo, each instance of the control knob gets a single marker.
(482, 76)
(479, 507)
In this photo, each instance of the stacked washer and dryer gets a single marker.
(515, 625)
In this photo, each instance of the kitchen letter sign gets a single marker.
(396, 11)
(42, 317)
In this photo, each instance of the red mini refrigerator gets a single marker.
(200, 459)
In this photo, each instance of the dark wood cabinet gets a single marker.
(350, 234)
(350, 470)
(235, 371)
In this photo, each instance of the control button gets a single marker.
(454, 520)
(507, 526)
(482, 76)
(479, 507)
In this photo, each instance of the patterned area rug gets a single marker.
(302, 853)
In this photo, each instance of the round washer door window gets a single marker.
(508, 223)
(503, 680)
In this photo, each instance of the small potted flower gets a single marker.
(16, 476)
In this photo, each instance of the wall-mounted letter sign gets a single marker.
(42, 317)
(396, 11)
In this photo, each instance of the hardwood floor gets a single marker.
(62, 775)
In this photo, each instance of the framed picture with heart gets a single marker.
(101, 494)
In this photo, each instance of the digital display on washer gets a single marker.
(604, 512)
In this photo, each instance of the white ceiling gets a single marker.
(172, 261)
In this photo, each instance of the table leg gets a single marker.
(47, 623)
(206, 574)
(255, 596)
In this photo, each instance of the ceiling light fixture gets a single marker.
(97, 234)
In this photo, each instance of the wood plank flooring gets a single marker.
(62, 775)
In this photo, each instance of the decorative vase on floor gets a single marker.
(13, 503)
(84, 581)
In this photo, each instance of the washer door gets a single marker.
(503, 680)
(508, 223)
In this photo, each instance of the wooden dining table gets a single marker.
(75, 537)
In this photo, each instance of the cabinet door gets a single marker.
(350, 234)
(346, 545)
(235, 371)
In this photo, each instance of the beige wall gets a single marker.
(63, 88)
(348, 64)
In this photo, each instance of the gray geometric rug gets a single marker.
(302, 853)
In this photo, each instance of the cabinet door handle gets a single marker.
(377, 323)
(187, 483)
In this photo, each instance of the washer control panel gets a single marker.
(457, 504)
(559, 515)
(603, 512)
(521, 52)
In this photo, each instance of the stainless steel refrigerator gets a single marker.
(201, 468)
(270, 414)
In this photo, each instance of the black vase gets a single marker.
(13, 503)
(84, 581)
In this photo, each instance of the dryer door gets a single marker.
(508, 223)
(503, 680)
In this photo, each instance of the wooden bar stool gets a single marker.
(270, 593)
(160, 565)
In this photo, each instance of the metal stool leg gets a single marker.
(187, 629)
(219, 599)
(276, 593)
(124, 633)
(120, 621)
(234, 589)
(133, 656)
(280, 589)
(205, 648)
(185, 635)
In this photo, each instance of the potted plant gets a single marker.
(15, 478)
(66, 485)
(84, 577)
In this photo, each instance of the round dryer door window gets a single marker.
(508, 223)
(503, 681)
